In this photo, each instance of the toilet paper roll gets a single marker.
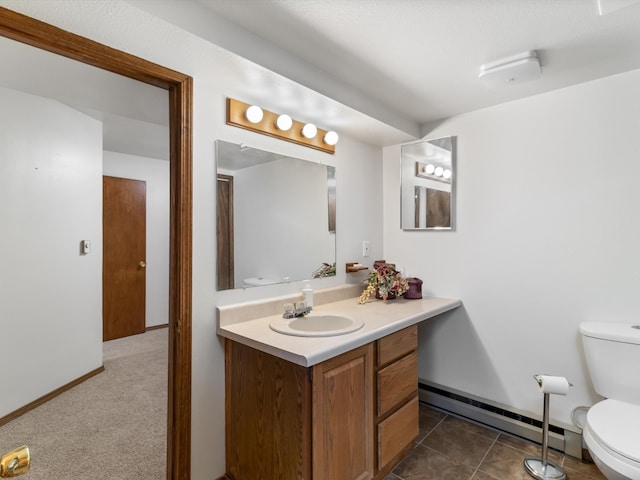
(551, 384)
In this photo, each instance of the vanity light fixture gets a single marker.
(280, 126)
(254, 114)
(309, 131)
(331, 138)
(435, 172)
(284, 122)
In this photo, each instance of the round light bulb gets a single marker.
(284, 122)
(254, 114)
(309, 130)
(439, 171)
(446, 173)
(331, 138)
(429, 169)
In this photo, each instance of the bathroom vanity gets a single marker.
(323, 408)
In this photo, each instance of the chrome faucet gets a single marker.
(293, 310)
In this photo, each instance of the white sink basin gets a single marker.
(321, 325)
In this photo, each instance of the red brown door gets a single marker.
(123, 261)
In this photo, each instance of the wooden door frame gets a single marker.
(180, 87)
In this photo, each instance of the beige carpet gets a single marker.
(113, 426)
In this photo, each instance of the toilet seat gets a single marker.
(612, 434)
(616, 424)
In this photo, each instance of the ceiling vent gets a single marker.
(512, 70)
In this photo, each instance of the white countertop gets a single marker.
(380, 318)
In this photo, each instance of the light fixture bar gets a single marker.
(432, 172)
(267, 126)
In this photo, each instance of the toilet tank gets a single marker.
(612, 351)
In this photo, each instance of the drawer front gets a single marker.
(397, 382)
(397, 431)
(397, 344)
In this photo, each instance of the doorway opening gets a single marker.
(180, 87)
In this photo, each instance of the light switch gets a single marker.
(365, 248)
(85, 246)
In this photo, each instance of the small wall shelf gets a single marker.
(353, 267)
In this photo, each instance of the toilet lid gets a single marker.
(616, 424)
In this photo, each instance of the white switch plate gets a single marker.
(365, 248)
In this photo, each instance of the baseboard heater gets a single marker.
(561, 438)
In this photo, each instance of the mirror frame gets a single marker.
(47, 37)
(414, 188)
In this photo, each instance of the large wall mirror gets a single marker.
(428, 184)
(275, 218)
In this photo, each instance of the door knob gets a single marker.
(142, 264)
(15, 463)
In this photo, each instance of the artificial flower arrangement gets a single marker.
(384, 282)
(325, 270)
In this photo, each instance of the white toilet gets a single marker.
(612, 430)
(257, 281)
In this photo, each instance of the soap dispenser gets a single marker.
(307, 291)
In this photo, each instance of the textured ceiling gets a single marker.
(377, 70)
(419, 59)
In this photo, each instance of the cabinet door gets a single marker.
(342, 417)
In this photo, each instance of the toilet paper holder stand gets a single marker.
(542, 468)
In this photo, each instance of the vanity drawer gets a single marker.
(397, 382)
(397, 344)
(397, 431)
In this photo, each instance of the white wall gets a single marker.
(156, 175)
(218, 74)
(50, 294)
(547, 236)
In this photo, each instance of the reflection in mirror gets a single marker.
(275, 218)
(428, 185)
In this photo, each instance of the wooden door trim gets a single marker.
(180, 86)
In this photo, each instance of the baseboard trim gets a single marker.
(156, 327)
(45, 398)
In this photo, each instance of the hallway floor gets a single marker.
(449, 448)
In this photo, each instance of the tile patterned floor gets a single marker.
(449, 448)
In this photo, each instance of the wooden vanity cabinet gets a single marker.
(288, 422)
(351, 417)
